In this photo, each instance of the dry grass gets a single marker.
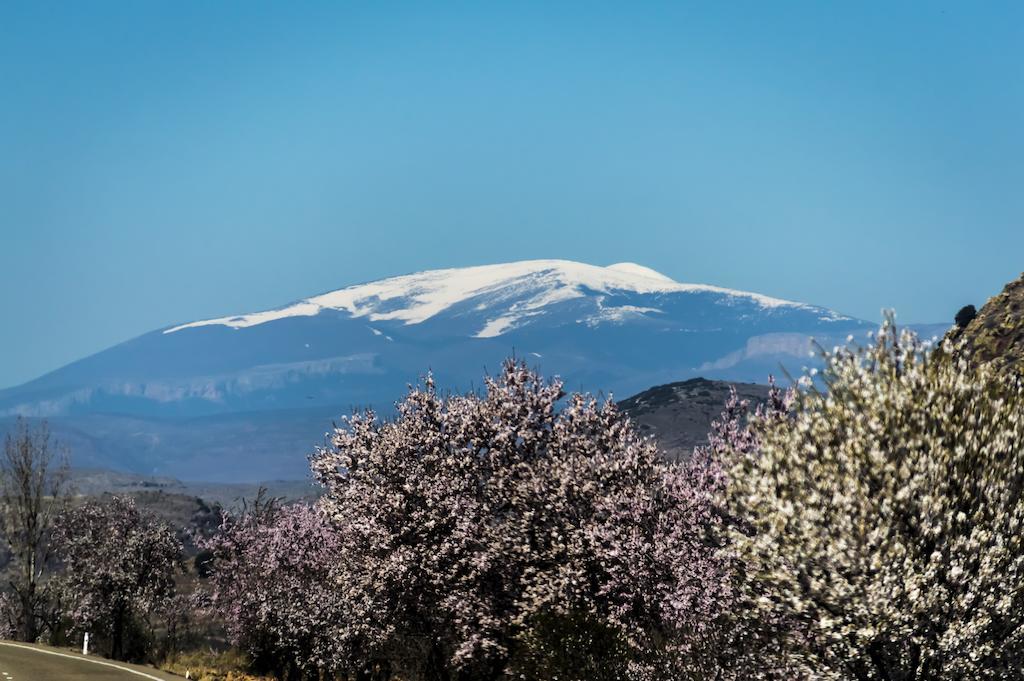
(209, 665)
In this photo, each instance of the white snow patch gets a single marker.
(496, 327)
(620, 313)
(639, 270)
(302, 309)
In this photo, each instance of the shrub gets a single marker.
(472, 526)
(965, 315)
(273, 581)
(887, 516)
(119, 567)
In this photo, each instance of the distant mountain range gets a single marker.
(247, 397)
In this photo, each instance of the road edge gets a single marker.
(83, 658)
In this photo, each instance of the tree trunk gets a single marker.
(29, 629)
(436, 668)
(117, 635)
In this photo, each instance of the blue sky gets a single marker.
(167, 161)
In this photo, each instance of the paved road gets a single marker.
(22, 662)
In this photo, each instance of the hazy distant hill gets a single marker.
(96, 482)
(247, 397)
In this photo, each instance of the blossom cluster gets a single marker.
(469, 534)
(274, 582)
(887, 516)
(118, 563)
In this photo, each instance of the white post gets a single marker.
(85, 644)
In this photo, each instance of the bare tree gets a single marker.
(33, 490)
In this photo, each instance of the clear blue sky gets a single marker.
(168, 161)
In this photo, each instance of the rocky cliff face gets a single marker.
(996, 334)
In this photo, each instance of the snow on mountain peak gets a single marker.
(639, 270)
(513, 291)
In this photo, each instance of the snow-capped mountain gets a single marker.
(506, 295)
(195, 399)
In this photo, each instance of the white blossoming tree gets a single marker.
(887, 516)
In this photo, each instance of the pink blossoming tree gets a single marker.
(274, 582)
(119, 564)
(474, 531)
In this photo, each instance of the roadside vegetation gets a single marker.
(866, 525)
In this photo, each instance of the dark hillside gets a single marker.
(996, 333)
(679, 414)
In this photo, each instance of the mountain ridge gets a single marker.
(433, 291)
(148, 403)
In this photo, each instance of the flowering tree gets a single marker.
(750, 644)
(274, 583)
(119, 563)
(471, 527)
(887, 516)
